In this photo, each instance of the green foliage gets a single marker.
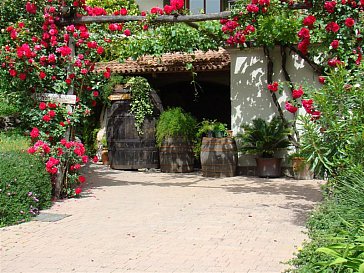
(114, 5)
(336, 228)
(160, 39)
(208, 128)
(141, 105)
(174, 122)
(264, 138)
(336, 140)
(25, 186)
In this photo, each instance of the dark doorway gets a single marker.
(204, 101)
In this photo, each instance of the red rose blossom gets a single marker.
(78, 191)
(297, 93)
(290, 107)
(349, 22)
(34, 133)
(81, 179)
(335, 44)
(273, 87)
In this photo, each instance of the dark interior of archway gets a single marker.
(211, 101)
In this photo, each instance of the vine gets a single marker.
(141, 105)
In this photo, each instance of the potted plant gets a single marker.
(175, 132)
(264, 138)
(104, 151)
(216, 151)
(300, 165)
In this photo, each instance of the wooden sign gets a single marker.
(122, 96)
(59, 98)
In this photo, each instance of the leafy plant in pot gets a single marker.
(175, 132)
(264, 138)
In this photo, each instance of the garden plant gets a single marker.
(43, 52)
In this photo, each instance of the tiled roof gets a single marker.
(171, 62)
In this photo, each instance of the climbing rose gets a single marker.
(273, 86)
(42, 105)
(330, 6)
(332, 27)
(322, 79)
(82, 179)
(46, 118)
(349, 22)
(31, 8)
(127, 32)
(95, 159)
(335, 44)
(307, 104)
(297, 93)
(34, 133)
(42, 74)
(291, 108)
(304, 33)
(309, 20)
(252, 8)
(78, 191)
(177, 4)
(168, 9)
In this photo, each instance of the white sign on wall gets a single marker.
(59, 98)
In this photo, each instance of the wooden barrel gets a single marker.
(128, 150)
(176, 156)
(218, 157)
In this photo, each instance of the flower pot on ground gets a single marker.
(264, 138)
(175, 132)
(217, 152)
(301, 168)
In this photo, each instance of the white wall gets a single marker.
(146, 5)
(250, 97)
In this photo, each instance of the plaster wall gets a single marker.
(250, 97)
(146, 5)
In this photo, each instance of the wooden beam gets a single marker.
(159, 19)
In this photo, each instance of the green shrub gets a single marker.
(336, 228)
(175, 123)
(25, 186)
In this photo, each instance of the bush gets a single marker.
(175, 123)
(25, 186)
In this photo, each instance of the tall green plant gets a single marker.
(335, 141)
(174, 122)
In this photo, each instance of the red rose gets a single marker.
(95, 159)
(304, 33)
(273, 87)
(123, 11)
(309, 20)
(297, 93)
(31, 150)
(349, 22)
(46, 118)
(78, 191)
(252, 8)
(178, 4)
(42, 74)
(100, 50)
(322, 79)
(330, 6)
(81, 179)
(84, 159)
(127, 32)
(12, 72)
(22, 76)
(335, 44)
(34, 133)
(332, 27)
(31, 8)
(42, 105)
(96, 93)
(52, 113)
(168, 9)
(291, 108)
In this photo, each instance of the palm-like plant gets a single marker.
(264, 138)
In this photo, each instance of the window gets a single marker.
(206, 6)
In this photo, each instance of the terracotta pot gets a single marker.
(269, 167)
(105, 157)
(301, 169)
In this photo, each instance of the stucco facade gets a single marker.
(146, 5)
(250, 97)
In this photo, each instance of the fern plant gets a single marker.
(175, 123)
(264, 138)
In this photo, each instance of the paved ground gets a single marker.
(153, 222)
